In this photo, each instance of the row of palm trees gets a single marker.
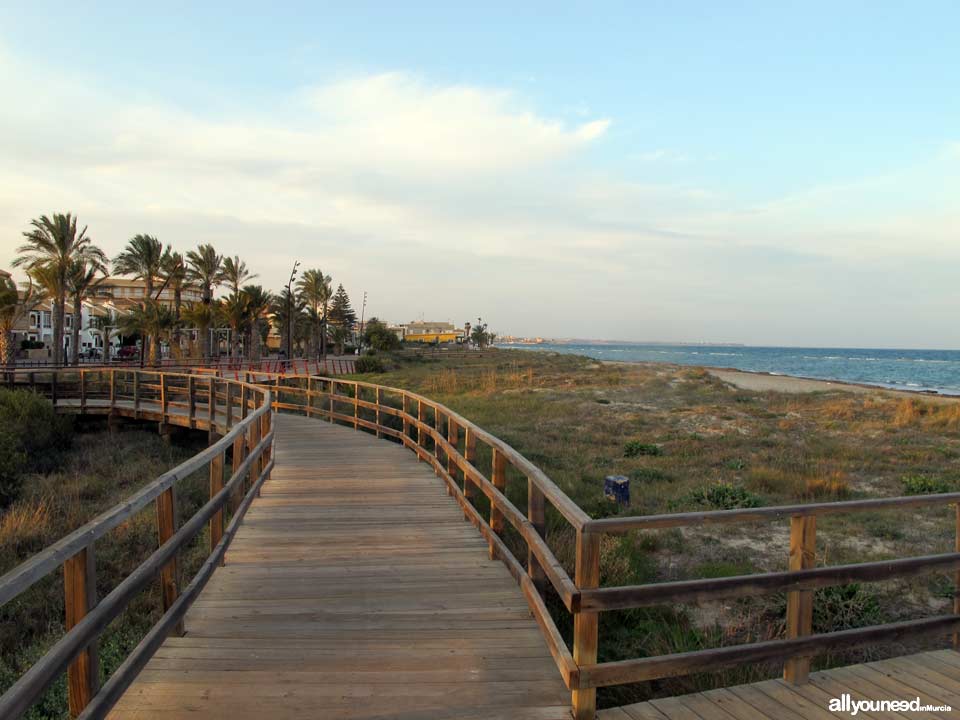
(64, 265)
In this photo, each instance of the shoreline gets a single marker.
(761, 381)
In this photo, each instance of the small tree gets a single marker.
(13, 308)
(377, 336)
(341, 313)
(480, 336)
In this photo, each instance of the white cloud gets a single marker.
(451, 200)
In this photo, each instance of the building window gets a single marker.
(47, 321)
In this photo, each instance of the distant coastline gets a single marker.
(928, 372)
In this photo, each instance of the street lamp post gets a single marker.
(363, 311)
(293, 273)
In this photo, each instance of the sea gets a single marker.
(918, 370)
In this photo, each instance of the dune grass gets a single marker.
(99, 469)
(690, 442)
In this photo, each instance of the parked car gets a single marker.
(128, 352)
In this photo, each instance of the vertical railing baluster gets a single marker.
(216, 485)
(379, 399)
(498, 476)
(356, 405)
(803, 542)
(586, 624)
(167, 522)
(537, 515)
(80, 597)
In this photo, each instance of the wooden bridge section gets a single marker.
(343, 581)
(353, 589)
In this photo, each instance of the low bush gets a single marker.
(32, 437)
(845, 607)
(635, 448)
(925, 485)
(367, 364)
(723, 496)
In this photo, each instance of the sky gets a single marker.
(766, 173)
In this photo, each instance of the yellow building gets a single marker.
(432, 332)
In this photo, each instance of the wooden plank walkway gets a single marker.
(354, 589)
(934, 677)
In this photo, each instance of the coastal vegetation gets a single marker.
(690, 442)
(55, 477)
(65, 267)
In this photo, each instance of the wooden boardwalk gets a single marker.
(354, 589)
(934, 677)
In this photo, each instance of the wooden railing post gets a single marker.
(438, 426)
(229, 405)
(379, 399)
(212, 405)
(163, 397)
(80, 597)
(956, 577)
(309, 397)
(216, 485)
(243, 402)
(53, 387)
(498, 476)
(83, 391)
(253, 439)
(470, 455)
(239, 454)
(405, 407)
(136, 394)
(167, 522)
(113, 389)
(453, 437)
(586, 624)
(421, 417)
(803, 541)
(265, 421)
(537, 515)
(192, 401)
(356, 405)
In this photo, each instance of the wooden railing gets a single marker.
(242, 414)
(450, 442)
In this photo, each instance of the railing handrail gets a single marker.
(23, 576)
(582, 595)
(251, 434)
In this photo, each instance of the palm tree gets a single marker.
(287, 311)
(201, 317)
(173, 269)
(13, 308)
(148, 318)
(258, 305)
(205, 268)
(142, 258)
(235, 273)
(235, 311)
(315, 291)
(55, 243)
(80, 282)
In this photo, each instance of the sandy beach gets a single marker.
(761, 382)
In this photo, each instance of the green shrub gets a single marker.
(635, 448)
(723, 496)
(32, 436)
(844, 607)
(925, 485)
(368, 364)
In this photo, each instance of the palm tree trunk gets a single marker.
(58, 316)
(6, 348)
(75, 330)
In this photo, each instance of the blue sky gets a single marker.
(781, 173)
